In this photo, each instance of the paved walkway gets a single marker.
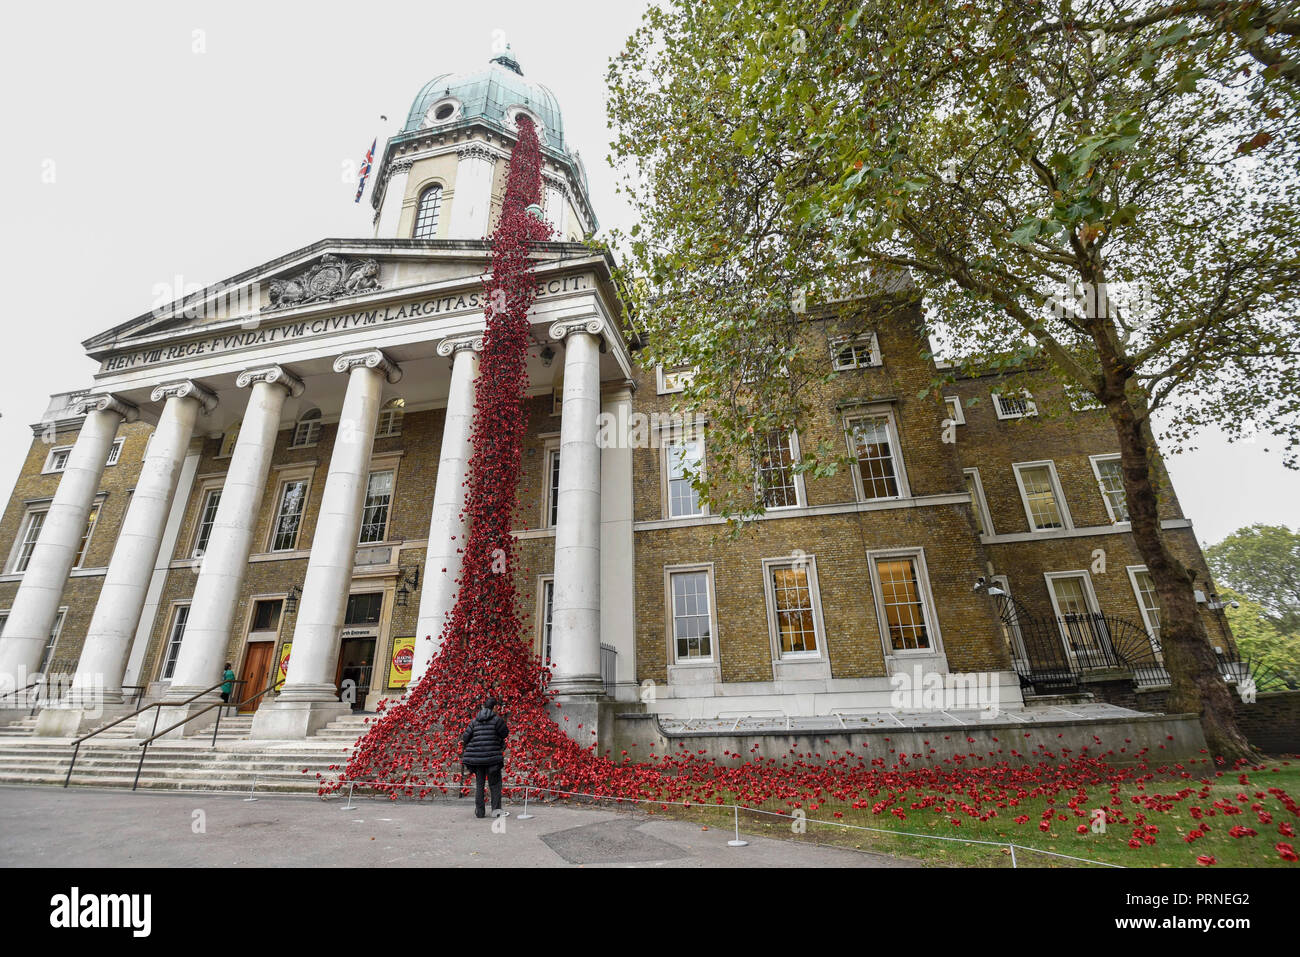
(53, 827)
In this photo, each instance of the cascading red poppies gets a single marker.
(482, 651)
(413, 748)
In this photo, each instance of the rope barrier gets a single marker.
(737, 842)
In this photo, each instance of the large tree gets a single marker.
(1099, 187)
(1263, 563)
(1274, 654)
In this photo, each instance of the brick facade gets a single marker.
(836, 531)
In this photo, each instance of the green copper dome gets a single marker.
(488, 94)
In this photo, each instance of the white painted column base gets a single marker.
(288, 720)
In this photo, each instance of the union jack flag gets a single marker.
(365, 169)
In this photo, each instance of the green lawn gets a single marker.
(1169, 850)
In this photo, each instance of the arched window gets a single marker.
(390, 418)
(228, 440)
(426, 214)
(307, 431)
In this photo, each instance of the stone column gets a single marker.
(390, 210)
(309, 699)
(216, 593)
(618, 581)
(448, 524)
(471, 200)
(575, 609)
(98, 679)
(36, 604)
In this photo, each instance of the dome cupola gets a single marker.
(495, 94)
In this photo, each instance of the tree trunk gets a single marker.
(1197, 686)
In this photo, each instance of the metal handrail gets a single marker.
(76, 745)
(20, 690)
(144, 745)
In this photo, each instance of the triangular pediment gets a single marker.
(329, 272)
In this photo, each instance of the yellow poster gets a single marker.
(284, 661)
(399, 669)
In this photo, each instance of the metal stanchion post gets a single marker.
(250, 791)
(1013, 854)
(349, 806)
(737, 842)
(525, 816)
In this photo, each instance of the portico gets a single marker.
(418, 344)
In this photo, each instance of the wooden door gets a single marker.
(256, 674)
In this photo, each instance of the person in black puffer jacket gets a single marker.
(484, 754)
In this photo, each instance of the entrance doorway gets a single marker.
(357, 650)
(356, 662)
(262, 632)
(256, 674)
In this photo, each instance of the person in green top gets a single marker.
(227, 677)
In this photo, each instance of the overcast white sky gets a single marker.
(189, 141)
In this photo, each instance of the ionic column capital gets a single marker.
(273, 374)
(185, 388)
(108, 403)
(453, 344)
(370, 359)
(559, 331)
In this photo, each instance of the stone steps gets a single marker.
(235, 763)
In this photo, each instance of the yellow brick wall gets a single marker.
(954, 555)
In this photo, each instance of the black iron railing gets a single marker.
(1052, 655)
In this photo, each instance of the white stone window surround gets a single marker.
(389, 423)
(514, 110)
(250, 634)
(800, 493)
(544, 597)
(204, 487)
(866, 411)
(1089, 595)
(369, 511)
(1031, 409)
(173, 639)
(981, 503)
(1095, 461)
(955, 410)
(431, 117)
(56, 460)
(114, 452)
(928, 609)
(304, 473)
(1067, 523)
(839, 344)
(56, 631)
(306, 429)
(796, 664)
(671, 381)
(1150, 616)
(96, 513)
(550, 478)
(27, 536)
(1080, 574)
(692, 671)
(229, 436)
(435, 190)
(667, 439)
